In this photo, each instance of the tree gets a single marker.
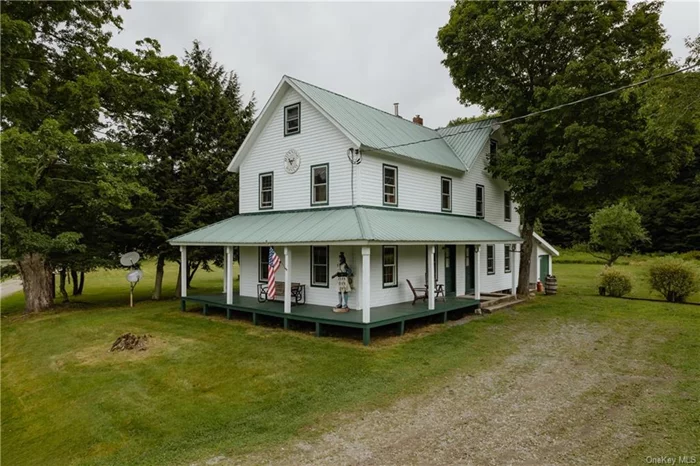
(65, 184)
(188, 155)
(515, 58)
(615, 231)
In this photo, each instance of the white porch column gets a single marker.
(287, 280)
(431, 277)
(365, 285)
(183, 271)
(514, 269)
(551, 271)
(477, 271)
(226, 277)
(229, 274)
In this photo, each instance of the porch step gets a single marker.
(501, 304)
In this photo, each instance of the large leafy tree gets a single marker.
(515, 58)
(65, 185)
(188, 155)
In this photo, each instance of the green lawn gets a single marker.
(209, 386)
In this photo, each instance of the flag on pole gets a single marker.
(273, 263)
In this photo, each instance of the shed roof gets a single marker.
(346, 225)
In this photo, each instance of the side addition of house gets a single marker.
(413, 209)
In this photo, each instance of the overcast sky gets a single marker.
(377, 53)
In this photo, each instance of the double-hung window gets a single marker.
(391, 185)
(490, 259)
(446, 194)
(506, 258)
(265, 190)
(480, 201)
(319, 184)
(319, 266)
(493, 149)
(263, 261)
(506, 206)
(292, 119)
(389, 266)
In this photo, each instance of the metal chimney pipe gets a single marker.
(396, 109)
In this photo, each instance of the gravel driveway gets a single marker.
(555, 401)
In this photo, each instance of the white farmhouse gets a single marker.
(321, 174)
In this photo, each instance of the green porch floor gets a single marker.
(323, 315)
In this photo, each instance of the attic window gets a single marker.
(292, 119)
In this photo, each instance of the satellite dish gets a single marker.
(134, 276)
(129, 259)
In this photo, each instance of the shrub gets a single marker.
(616, 282)
(615, 230)
(674, 278)
(691, 255)
(8, 271)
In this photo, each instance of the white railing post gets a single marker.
(431, 277)
(477, 272)
(514, 269)
(229, 274)
(365, 285)
(287, 280)
(183, 271)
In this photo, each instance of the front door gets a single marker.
(450, 269)
(469, 269)
(544, 268)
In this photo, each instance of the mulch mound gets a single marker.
(129, 341)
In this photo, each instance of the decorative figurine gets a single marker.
(344, 275)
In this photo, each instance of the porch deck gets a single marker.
(323, 315)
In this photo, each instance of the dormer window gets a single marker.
(292, 119)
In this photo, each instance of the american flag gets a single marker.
(273, 263)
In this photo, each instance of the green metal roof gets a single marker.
(377, 129)
(356, 225)
(468, 139)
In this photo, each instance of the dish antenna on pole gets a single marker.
(130, 259)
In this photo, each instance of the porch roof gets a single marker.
(358, 225)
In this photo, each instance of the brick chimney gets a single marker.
(418, 120)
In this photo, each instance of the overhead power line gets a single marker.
(538, 112)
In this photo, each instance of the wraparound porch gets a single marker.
(394, 314)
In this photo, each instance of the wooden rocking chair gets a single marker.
(418, 293)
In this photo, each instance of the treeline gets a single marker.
(670, 213)
(106, 150)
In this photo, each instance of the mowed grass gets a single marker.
(209, 387)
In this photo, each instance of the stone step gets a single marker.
(494, 306)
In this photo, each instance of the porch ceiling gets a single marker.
(346, 225)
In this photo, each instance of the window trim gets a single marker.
(442, 180)
(328, 191)
(491, 270)
(272, 190)
(396, 185)
(284, 119)
(396, 267)
(493, 147)
(328, 268)
(483, 201)
(507, 206)
(507, 258)
(260, 269)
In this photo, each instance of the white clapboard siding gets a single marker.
(419, 188)
(301, 273)
(318, 142)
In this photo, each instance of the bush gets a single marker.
(8, 271)
(691, 255)
(674, 278)
(616, 282)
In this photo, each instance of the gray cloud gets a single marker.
(377, 53)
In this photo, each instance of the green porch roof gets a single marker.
(345, 225)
